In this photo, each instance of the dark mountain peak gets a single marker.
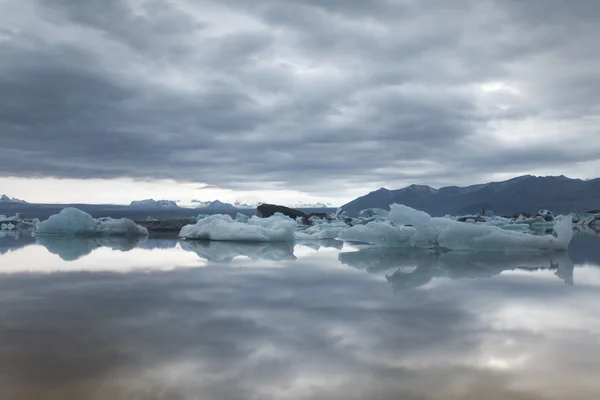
(527, 193)
(421, 189)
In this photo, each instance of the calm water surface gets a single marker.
(163, 319)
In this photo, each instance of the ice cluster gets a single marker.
(276, 228)
(401, 227)
(224, 228)
(74, 222)
(405, 226)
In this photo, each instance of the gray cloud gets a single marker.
(309, 95)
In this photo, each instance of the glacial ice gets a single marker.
(224, 228)
(322, 231)
(449, 234)
(401, 227)
(74, 222)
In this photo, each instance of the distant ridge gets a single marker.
(215, 205)
(5, 199)
(524, 193)
(151, 203)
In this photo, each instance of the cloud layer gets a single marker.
(318, 96)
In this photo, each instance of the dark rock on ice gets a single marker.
(267, 210)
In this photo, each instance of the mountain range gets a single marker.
(522, 194)
(151, 203)
(217, 204)
(5, 199)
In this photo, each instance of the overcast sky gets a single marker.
(292, 100)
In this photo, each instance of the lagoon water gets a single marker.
(165, 319)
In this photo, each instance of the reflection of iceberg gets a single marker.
(417, 268)
(74, 222)
(73, 248)
(227, 251)
(318, 244)
(155, 243)
(15, 239)
(412, 228)
(375, 259)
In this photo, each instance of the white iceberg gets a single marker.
(241, 217)
(413, 228)
(322, 231)
(275, 221)
(223, 228)
(74, 222)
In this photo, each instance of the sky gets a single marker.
(292, 101)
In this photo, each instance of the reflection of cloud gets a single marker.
(290, 333)
(73, 248)
(227, 251)
(416, 268)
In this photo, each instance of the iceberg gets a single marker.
(381, 233)
(322, 231)
(406, 226)
(223, 228)
(239, 217)
(74, 222)
(276, 221)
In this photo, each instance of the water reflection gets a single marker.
(224, 252)
(312, 329)
(108, 318)
(415, 268)
(14, 239)
(73, 248)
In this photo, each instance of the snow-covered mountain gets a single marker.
(521, 194)
(313, 205)
(239, 204)
(5, 199)
(215, 204)
(151, 203)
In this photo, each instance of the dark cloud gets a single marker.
(307, 94)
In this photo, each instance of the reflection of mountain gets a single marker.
(15, 239)
(73, 248)
(417, 268)
(227, 251)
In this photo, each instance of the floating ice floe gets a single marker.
(74, 222)
(223, 228)
(409, 227)
(322, 231)
(276, 228)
